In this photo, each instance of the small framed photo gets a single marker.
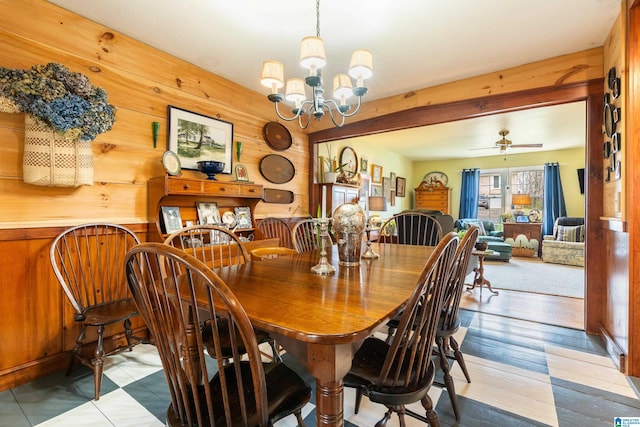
(392, 198)
(208, 213)
(376, 190)
(364, 164)
(401, 185)
(243, 217)
(171, 219)
(195, 137)
(392, 175)
(376, 174)
(241, 173)
(386, 187)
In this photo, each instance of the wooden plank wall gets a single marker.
(141, 81)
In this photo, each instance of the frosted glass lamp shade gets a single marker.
(361, 66)
(295, 90)
(312, 56)
(342, 88)
(272, 75)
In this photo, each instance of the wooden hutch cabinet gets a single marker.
(338, 194)
(184, 193)
(433, 197)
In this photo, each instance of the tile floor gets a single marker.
(523, 374)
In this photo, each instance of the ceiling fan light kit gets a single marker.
(313, 59)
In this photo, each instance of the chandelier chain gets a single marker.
(318, 18)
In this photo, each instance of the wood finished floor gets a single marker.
(548, 309)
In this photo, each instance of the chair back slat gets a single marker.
(167, 284)
(88, 261)
(305, 235)
(213, 245)
(411, 228)
(407, 361)
(276, 228)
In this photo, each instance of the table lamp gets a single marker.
(520, 200)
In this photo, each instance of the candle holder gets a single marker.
(323, 266)
(369, 253)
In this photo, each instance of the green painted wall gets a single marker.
(570, 160)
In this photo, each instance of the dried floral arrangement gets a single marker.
(62, 99)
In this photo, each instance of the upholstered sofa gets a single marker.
(566, 245)
(488, 234)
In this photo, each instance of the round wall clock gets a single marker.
(435, 176)
(349, 158)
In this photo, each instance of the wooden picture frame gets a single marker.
(364, 164)
(376, 190)
(376, 174)
(208, 213)
(195, 137)
(171, 219)
(401, 186)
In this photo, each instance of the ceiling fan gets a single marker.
(505, 143)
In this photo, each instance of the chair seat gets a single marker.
(365, 372)
(112, 312)
(287, 393)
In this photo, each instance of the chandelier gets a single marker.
(312, 58)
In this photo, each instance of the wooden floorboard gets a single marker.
(548, 309)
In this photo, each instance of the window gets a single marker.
(498, 185)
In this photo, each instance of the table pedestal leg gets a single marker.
(479, 279)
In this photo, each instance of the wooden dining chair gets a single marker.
(402, 372)
(305, 235)
(259, 254)
(205, 391)
(216, 247)
(276, 228)
(88, 261)
(449, 322)
(411, 228)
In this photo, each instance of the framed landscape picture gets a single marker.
(195, 137)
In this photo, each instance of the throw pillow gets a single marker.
(481, 230)
(568, 233)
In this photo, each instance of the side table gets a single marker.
(479, 278)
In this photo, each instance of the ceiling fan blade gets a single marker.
(526, 145)
(482, 148)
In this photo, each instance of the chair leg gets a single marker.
(390, 334)
(128, 333)
(274, 349)
(448, 379)
(459, 358)
(76, 349)
(432, 417)
(387, 417)
(299, 418)
(358, 400)
(98, 363)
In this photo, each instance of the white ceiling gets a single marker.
(416, 44)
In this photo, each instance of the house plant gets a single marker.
(64, 113)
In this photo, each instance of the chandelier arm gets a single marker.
(331, 111)
(305, 125)
(288, 119)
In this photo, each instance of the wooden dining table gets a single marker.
(322, 320)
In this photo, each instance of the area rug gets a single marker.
(533, 275)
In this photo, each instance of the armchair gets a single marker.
(566, 245)
(488, 233)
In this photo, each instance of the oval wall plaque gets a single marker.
(277, 169)
(276, 136)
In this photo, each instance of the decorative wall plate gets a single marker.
(436, 176)
(277, 136)
(275, 195)
(277, 169)
(609, 122)
(171, 163)
(534, 215)
(229, 219)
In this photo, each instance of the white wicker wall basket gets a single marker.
(53, 161)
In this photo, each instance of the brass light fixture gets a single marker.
(312, 58)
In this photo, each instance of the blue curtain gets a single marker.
(469, 193)
(553, 206)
